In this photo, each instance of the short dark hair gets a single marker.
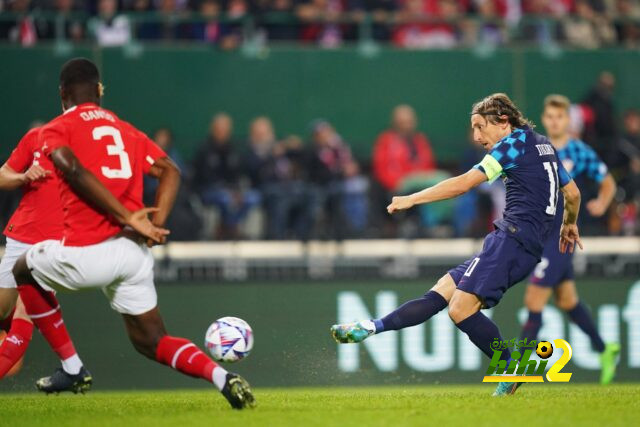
(79, 71)
(494, 106)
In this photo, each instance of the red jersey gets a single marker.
(115, 152)
(39, 214)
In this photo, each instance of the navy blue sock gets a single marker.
(482, 331)
(412, 312)
(532, 326)
(581, 317)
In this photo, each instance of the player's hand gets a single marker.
(151, 243)
(596, 207)
(569, 238)
(400, 203)
(139, 221)
(35, 173)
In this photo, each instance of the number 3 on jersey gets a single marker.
(552, 171)
(115, 149)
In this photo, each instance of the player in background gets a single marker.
(554, 272)
(101, 160)
(533, 175)
(37, 218)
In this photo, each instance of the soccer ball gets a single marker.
(229, 339)
(544, 350)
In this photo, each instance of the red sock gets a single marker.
(5, 324)
(184, 356)
(44, 310)
(15, 344)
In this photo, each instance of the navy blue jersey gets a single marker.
(532, 174)
(579, 159)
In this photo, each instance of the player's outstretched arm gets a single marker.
(168, 175)
(10, 179)
(599, 205)
(569, 235)
(447, 189)
(91, 189)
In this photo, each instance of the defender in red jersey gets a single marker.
(114, 151)
(101, 160)
(37, 218)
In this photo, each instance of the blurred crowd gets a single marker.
(259, 184)
(415, 24)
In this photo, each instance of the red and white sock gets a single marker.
(5, 324)
(44, 310)
(184, 356)
(15, 344)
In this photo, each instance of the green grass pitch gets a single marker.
(534, 404)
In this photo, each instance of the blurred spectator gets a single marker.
(184, 222)
(72, 27)
(490, 29)
(280, 13)
(258, 162)
(340, 188)
(109, 28)
(323, 18)
(164, 138)
(276, 170)
(217, 177)
(23, 30)
(382, 12)
(628, 164)
(211, 30)
(423, 27)
(627, 25)
(417, 24)
(587, 28)
(164, 26)
(401, 151)
(601, 136)
(538, 25)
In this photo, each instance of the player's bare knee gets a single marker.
(8, 299)
(536, 297)
(457, 310)
(567, 302)
(533, 302)
(445, 287)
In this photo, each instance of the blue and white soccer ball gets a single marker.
(229, 339)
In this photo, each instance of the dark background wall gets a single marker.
(182, 87)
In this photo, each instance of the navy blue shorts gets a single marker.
(554, 267)
(502, 263)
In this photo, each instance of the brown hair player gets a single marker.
(107, 231)
(527, 163)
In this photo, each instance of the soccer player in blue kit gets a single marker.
(533, 176)
(554, 272)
